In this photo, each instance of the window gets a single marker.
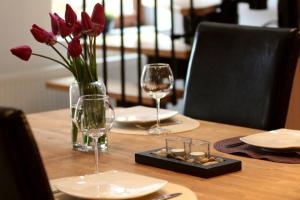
(112, 7)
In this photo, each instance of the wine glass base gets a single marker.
(102, 145)
(89, 148)
(155, 130)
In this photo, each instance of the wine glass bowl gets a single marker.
(157, 81)
(94, 116)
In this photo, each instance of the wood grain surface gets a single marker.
(258, 179)
(293, 117)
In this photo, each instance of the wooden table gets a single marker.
(258, 179)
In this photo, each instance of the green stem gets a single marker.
(61, 56)
(84, 61)
(75, 69)
(88, 57)
(88, 51)
(62, 44)
(91, 46)
(66, 40)
(85, 47)
(57, 61)
(89, 72)
(94, 46)
(94, 58)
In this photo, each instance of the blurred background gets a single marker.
(22, 84)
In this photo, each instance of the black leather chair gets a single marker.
(241, 75)
(22, 174)
(288, 13)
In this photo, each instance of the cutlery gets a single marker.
(54, 189)
(167, 196)
(234, 145)
(162, 197)
(146, 126)
(56, 192)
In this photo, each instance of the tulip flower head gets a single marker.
(23, 52)
(86, 23)
(54, 23)
(42, 35)
(98, 17)
(64, 29)
(70, 16)
(77, 28)
(72, 31)
(93, 25)
(74, 48)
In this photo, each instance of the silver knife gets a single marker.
(167, 196)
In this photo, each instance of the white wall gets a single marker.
(22, 84)
(258, 17)
(17, 16)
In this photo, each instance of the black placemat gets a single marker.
(228, 146)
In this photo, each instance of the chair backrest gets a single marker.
(22, 174)
(241, 75)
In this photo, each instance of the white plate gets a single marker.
(141, 114)
(277, 139)
(109, 185)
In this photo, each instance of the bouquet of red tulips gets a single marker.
(80, 61)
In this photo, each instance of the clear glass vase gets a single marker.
(82, 142)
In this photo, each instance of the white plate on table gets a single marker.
(141, 114)
(109, 185)
(281, 139)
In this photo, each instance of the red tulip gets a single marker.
(70, 16)
(42, 35)
(77, 28)
(54, 23)
(23, 52)
(90, 27)
(86, 22)
(59, 25)
(74, 48)
(98, 29)
(64, 29)
(58, 17)
(98, 16)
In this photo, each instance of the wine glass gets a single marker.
(157, 81)
(94, 116)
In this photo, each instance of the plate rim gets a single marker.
(244, 139)
(174, 113)
(164, 182)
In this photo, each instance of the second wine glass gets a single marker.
(157, 81)
(94, 116)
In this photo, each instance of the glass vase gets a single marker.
(79, 141)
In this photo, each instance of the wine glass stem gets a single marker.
(157, 111)
(96, 154)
